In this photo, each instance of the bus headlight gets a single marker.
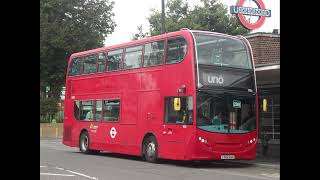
(251, 141)
(203, 140)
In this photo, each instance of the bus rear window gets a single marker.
(75, 67)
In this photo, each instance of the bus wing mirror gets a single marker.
(177, 104)
(264, 105)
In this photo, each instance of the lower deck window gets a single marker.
(97, 110)
(86, 112)
(111, 110)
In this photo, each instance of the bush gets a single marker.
(49, 110)
(57, 117)
(48, 106)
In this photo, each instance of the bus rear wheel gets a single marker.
(150, 147)
(84, 144)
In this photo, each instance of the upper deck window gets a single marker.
(75, 67)
(153, 53)
(89, 64)
(114, 60)
(176, 49)
(101, 62)
(222, 51)
(133, 57)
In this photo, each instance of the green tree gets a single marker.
(68, 26)
(140, 34)
(210, 15)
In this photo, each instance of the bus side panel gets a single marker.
(67, 123)
(150, 116)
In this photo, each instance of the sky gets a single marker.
(131, 13)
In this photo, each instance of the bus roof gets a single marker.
(148, 39)
(136, 42)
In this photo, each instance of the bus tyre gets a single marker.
(84, 143)
(151, 149)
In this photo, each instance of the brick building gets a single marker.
(266, 53)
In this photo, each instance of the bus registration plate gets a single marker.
(227, 156)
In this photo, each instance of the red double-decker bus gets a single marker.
(185, 95)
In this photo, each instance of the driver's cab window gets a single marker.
(180, 115)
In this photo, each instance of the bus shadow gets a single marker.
(114, 155)
(208, 164)
(187, 164)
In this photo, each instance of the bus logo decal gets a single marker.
(113, 132)
(240, 11)
(215, 79)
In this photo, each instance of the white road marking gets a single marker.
(276, 175)
(43, 166)
(51, 174)
(82, 175)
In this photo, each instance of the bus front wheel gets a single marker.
(151, 149)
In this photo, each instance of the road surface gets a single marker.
(60, 162)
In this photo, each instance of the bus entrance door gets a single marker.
(174, 140)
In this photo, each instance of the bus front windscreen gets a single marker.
(222, 51)
(225, 112)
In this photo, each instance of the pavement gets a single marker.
(61, 162)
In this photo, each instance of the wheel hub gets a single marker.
(151, 149)
(85, 143)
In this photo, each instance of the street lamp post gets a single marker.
(163, 30)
